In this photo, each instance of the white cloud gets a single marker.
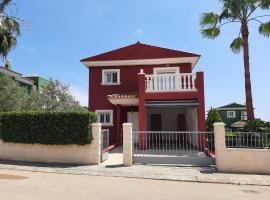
(81, 94)
(138, 32)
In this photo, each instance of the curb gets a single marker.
(140, 175)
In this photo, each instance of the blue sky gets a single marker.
(64, 31)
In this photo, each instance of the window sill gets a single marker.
(110, 84)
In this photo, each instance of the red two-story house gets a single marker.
(152, 87)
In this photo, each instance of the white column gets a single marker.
(96, 143)
(127, 144)
(220, 145)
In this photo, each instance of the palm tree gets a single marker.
(9, 29)
(242, 12)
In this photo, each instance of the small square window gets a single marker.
(244, 115)
(111, 77)
(231, 114)
(105, 117)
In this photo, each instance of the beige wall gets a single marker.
(239, 160)
(84, 154)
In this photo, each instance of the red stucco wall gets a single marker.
(129, 83)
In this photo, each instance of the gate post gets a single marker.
(127, 145)
(220, 144)
(96, 143)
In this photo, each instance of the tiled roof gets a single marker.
(239, 124)
(129, 95)
(139, 51)
(234, 105)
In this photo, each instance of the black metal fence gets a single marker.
(248, 140)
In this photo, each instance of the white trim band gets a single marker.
(158, 61)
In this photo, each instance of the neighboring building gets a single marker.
(234, 115)
(27, 82)
(152, 87)
(39, 82)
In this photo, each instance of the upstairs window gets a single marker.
(166, 70)
(105, 117)
(244, 115)
(230, 114)
(111, 77)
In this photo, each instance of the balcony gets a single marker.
(179, 82)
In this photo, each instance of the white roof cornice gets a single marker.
(159, 61)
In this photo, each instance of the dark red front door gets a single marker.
(155, 122)
(181, 122)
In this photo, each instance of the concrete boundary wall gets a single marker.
(79, 154)
(239, 160)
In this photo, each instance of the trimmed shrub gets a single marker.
(212, 117)
(47, 127)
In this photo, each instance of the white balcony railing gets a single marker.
(179, 82)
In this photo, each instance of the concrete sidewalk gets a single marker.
(113, 168)
(188, 174)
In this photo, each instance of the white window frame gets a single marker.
(160, 70)
(98, 112)
(104, 80)
(244, 115)
(231, 111)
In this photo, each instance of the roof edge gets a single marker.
(176, 60)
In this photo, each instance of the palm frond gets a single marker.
(12, 25)
(210, 33)
(264, 29)
(4, 4)
(4, 46)
(225, 15)
(209, 20)
(265, 4)
(237, 45)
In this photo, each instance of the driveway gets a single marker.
(34, 185)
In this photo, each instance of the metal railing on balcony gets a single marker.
(179, 82)
(251, 140)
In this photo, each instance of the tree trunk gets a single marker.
(249, 101)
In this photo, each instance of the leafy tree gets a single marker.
(257, 125)
(32, 101)
(12, 96)
(56, 96)
(212, 117)
(242, 12)
(9, 28)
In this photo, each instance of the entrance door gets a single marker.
(181, 122)
(132, 117)
(155, 122)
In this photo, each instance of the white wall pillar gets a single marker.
(127, 144)
(96, 143)
(220, 144)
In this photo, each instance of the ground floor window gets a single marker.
(105, 117)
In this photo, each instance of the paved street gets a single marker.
(34, 185)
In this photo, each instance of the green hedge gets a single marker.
(47, 127)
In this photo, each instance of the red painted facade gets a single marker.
(132, 81)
